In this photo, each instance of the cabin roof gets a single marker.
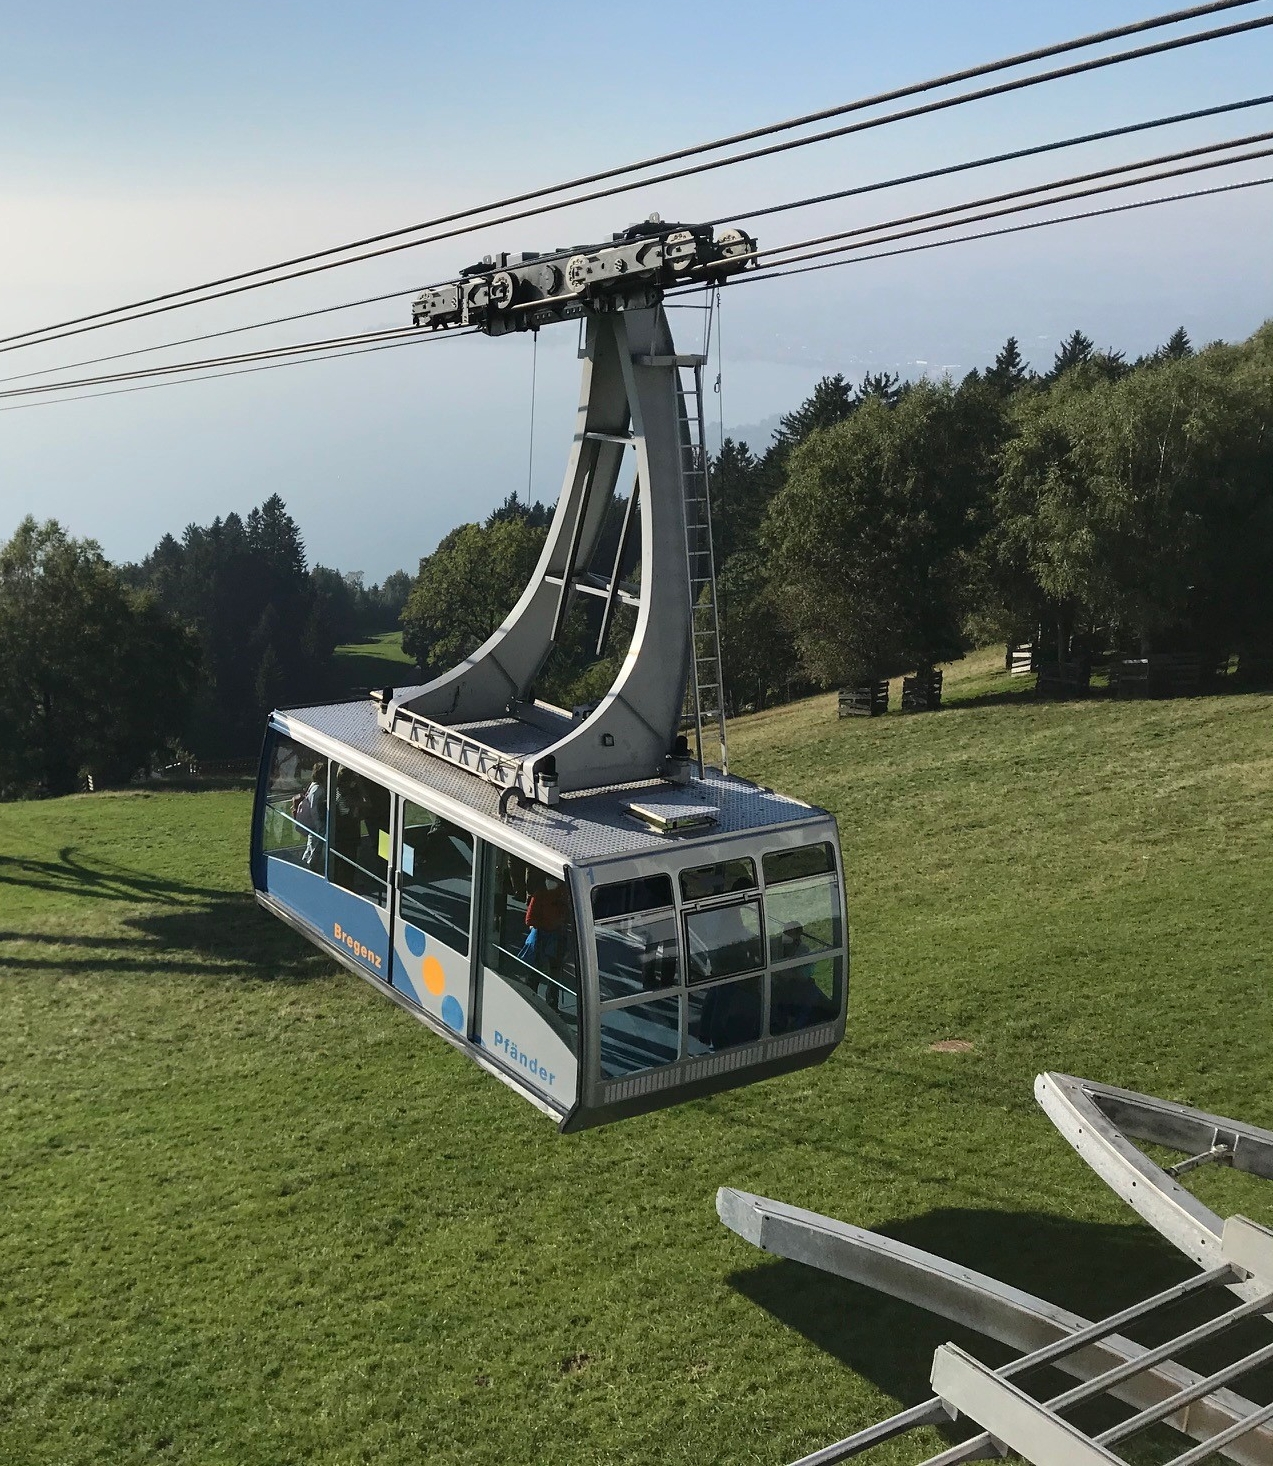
(587, 826)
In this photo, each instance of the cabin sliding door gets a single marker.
(431, 938)
(528, 1008)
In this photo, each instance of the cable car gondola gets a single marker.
(574, 899)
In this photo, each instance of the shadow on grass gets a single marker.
(1088, 1267)
(71, 874)
(183, 928)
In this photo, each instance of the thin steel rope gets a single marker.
(866, 237)
(862, 189)
(240, 372)
(1171, 198)
(45, 333)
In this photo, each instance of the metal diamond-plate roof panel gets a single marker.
(584, 827)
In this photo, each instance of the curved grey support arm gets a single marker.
(629, 395)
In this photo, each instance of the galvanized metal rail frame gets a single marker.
(1150, 1380)
(1102, 1123)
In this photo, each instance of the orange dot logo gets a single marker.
(434, 977)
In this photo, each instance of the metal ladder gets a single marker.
(705, 695)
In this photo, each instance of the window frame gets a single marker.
(686, 988)
(476, 847)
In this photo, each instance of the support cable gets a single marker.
(238, 372)
(1023, 193)
(1171, 198)
(861, 189)
(265, 353)
(874, 230)
(752, 277)
(864, 237)
(325, 310)
(1014, 156)
(170, 300)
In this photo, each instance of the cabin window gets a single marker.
(626, 898)
(358, 832)
(637, 947)
(723, 941)
(529, 940)
(295, 824)
(798, 864)
(436, 876)
(805, 994)
(640, 1036)
(703, 882)
(726, 1015)
(803, 918)
(637, 954)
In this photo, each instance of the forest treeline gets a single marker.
(1096, 505)
(107, 670)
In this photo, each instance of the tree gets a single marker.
(885, 387)
(466, 588)
(870, 536)
(831, 401)
(93, 676)
(1075, 350)
(1010, 370)
(1146, 504)
(537, 515)
(263, 621)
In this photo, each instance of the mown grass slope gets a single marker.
(379, 661)
(252, 1213)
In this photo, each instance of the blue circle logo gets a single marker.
(452, 1013)
(414, 939)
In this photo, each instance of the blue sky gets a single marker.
(147, 146)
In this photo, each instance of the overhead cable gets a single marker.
(864, 237)
(870, 243)
(139, 373)
(325, 310)
(951, 168)
(860, 189)
(857, 259)
(770, 273)
(1021, 193)
(414, 340)
(169, 301)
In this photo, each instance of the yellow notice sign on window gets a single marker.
(382, 844)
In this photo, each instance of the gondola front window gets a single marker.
(637, 947)
(295, 822)
(805, 925)
(638, 958)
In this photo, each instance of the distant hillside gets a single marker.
(757, 435)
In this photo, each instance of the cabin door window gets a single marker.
(529, 976)
(435, 898)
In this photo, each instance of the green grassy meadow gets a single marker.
(377, 662)
(253, 1213)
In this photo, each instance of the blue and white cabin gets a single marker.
(619, 951)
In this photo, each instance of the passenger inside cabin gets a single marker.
(309, 810)
(547, 912)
